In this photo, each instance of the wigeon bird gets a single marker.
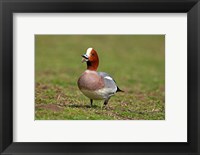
(96, 85)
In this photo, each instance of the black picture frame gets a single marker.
(8, 7)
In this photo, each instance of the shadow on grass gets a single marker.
(82, 106)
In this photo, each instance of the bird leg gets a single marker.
(91, 101)
(106, 101)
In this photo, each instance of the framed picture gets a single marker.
(135, 92)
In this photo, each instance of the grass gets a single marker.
(136, 62)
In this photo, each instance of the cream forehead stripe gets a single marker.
(89, 51)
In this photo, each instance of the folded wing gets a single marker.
(110, 84)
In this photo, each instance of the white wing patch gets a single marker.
(108, 77)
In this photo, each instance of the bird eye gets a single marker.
(92, 54)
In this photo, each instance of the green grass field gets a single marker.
(136, 62)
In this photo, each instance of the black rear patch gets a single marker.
(119, 90)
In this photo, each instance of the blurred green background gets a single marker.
(136, 62)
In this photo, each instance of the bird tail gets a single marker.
(119, 90)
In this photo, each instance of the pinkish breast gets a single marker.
(90, 80)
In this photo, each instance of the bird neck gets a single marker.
(92, 65)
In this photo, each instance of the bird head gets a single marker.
(91, 58)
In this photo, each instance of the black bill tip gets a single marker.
(84, 56)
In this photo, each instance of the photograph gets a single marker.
(99, 77)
